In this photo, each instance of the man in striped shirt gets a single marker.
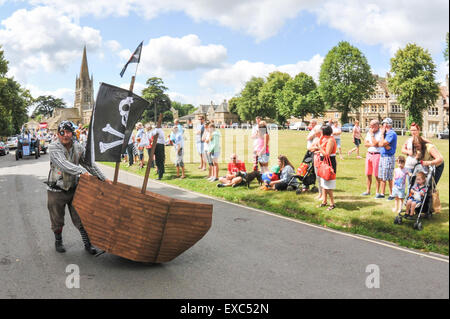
(67, 163)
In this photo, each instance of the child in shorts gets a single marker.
(417, 194)
(178, 143)
(398, 191)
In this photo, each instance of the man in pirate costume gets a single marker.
(67, 163)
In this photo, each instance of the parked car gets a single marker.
(246, 126)
(272, 126)
(347, 127)
(443, 134)
(11, 142)
(4, 149)
(298, 126)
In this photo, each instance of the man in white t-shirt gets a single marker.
(373, 156)
(199, 131)
(311, 134)
(255, 134)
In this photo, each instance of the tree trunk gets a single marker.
(344, 116)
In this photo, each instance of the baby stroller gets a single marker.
(425, 208)
(305, 174)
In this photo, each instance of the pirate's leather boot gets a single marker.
(87, 243)
(59, 246)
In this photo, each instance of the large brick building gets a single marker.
(219, 113)
(382, 104)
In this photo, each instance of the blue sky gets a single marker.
(205, 50)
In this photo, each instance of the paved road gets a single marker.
(246, 254)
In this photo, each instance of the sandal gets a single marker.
(331, 207)
(322, 205)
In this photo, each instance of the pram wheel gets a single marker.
(290, 188)
(418, 226)
(398, 220)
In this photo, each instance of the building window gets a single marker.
(381, 108)
(396, 108)
(433, 111)
(336, 115)
(380, 95)
(86, 97)
(373, 108)
(366, 109)
(397, 124)
(433, 127)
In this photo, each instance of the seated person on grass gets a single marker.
(271, 176)
(234, 167)
(287, 171)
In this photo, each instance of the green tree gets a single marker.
(345, 79)
(413, 80)
(159, 101)
(268, 95)
(249, 106)
(446, 49)
(45, 105)
(3, 64)
(14, 102)
(233, 106)
(300, 97)
(183, 109)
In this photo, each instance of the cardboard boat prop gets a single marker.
(141, 227)
(124, 220)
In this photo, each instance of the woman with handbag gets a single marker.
(327, 166)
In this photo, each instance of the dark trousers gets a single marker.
(255, 161)
(438, 173)
(56, 203)
(149, 150)
(160, 158)
(130, 154)
(281, 186)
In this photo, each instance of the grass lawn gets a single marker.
(354, 213)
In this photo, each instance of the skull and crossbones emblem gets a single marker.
(124, 110)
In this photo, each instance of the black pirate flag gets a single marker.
(135, 58)
(114, 116)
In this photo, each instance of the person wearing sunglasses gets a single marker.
(67, 163)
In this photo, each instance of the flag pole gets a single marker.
(130, 93)
(152, 153)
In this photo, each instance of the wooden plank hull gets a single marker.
(142, 227)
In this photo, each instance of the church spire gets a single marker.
(84, 71)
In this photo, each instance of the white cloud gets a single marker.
(235, 75)
(68, 95)
(165, 54)
(386, 22)
(204, 98)
(442, 71)
(43, 38)
(258, 18)
(391, 24)
(137, 88)
(113, 45)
